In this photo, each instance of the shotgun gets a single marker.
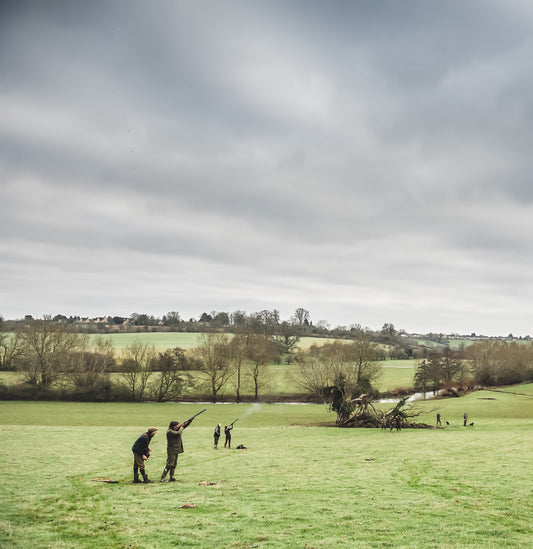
(186, 423)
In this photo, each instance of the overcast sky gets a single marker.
(368, 161)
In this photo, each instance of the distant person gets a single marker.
(216, 434)
(174, 448)
(465, 419)
(438, 420)
(141, 452)
(227, 432)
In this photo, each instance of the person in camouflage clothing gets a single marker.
(174, 448)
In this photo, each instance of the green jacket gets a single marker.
(174, 442)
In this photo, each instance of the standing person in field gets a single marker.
(227, 432)
(438, 420)
(174, 448)
(141, 452)
(465, 419)
(216, 434)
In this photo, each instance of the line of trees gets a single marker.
(485, 363)
(300, 322)
(442, 367)
(395, 344)
(49, 354)
(53, 359)
(500, 363)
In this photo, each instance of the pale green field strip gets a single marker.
(283, 381)
(480, 405)
(168, 340)
(522, 389)
(186, 340)
(160, 340)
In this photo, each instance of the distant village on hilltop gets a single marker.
(222, 321)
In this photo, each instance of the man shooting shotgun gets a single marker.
(227, 432)
(175, 446)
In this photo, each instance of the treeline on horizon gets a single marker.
(57, 361)
(232, 321)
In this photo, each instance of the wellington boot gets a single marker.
(164, 474)
(172, 478)
(147, 480)
(136, 479)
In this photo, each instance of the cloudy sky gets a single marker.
(368, 161)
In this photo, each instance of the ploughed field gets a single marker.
(300, 483)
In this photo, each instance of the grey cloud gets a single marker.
(367, 159)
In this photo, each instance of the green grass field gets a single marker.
(185, 340)
(523, 389)
(160, 340)
(301, 483)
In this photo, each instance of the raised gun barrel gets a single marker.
(186, 423)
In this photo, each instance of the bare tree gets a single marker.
(498, 362)
(364, 355)
(137, 368)
(10, 348)
(287, 336)
(311, 374)
(91, 364)
(47, 348)
(172, 366)
(452, 364)
(238, 318)
(324, 371)
(260, 351)
(301, 316)
(340, 372)
(238, 358)
(265, 322)
(216, 369)
(171, 319)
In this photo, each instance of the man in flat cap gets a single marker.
(141, 452)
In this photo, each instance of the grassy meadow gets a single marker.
(168, 340)
(159, 340)
(301, 483)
